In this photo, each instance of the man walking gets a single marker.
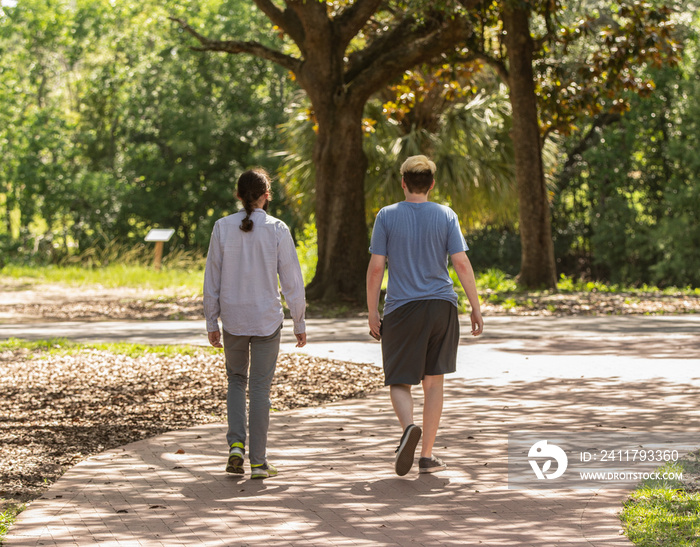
(420, 330)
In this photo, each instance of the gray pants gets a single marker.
(261, 352)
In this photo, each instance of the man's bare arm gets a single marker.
(375, 275)
(465, 273)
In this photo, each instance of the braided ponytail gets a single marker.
(252, 185)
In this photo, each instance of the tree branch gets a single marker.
(234, 46)
(397, 39)
(351, 20)
(287, 20)
(403, 47)
(273, 13)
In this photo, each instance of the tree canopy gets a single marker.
(111, 124)
(112, 127)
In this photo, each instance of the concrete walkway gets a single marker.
(336, 484)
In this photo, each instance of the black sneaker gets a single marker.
(431, 465)
(405, 453)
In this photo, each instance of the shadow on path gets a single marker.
(336, 484)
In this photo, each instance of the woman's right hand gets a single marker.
(215, 339)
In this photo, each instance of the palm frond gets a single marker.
(472, 150)
(297, 172)
(473, 153)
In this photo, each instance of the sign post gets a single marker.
(159, 236)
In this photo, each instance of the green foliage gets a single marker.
(111, 125)
(593, 56)
(494, 248)
(493, 280)
(468, 141)
(138, 254)
(629, 214)
(297, 168)
(570, 284)
(677, 234)
(307, 251)
(7, 517)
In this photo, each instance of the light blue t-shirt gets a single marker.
(417, 240)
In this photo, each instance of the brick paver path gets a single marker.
(336, 484)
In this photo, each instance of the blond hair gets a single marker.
(418, 164)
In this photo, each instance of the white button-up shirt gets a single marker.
(240, 279)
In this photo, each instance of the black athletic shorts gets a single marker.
(419, 339)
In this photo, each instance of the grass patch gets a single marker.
(112, 276)
(569, 284)
(663, 512)
(62, 346)
(7, 517)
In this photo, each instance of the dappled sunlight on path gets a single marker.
(336, 484)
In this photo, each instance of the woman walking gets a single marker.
(248, 252)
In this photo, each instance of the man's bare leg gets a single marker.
(402, 401)
(432, 411)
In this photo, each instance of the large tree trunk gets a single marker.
(538, 269)
(340, 203)
(339, 80)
